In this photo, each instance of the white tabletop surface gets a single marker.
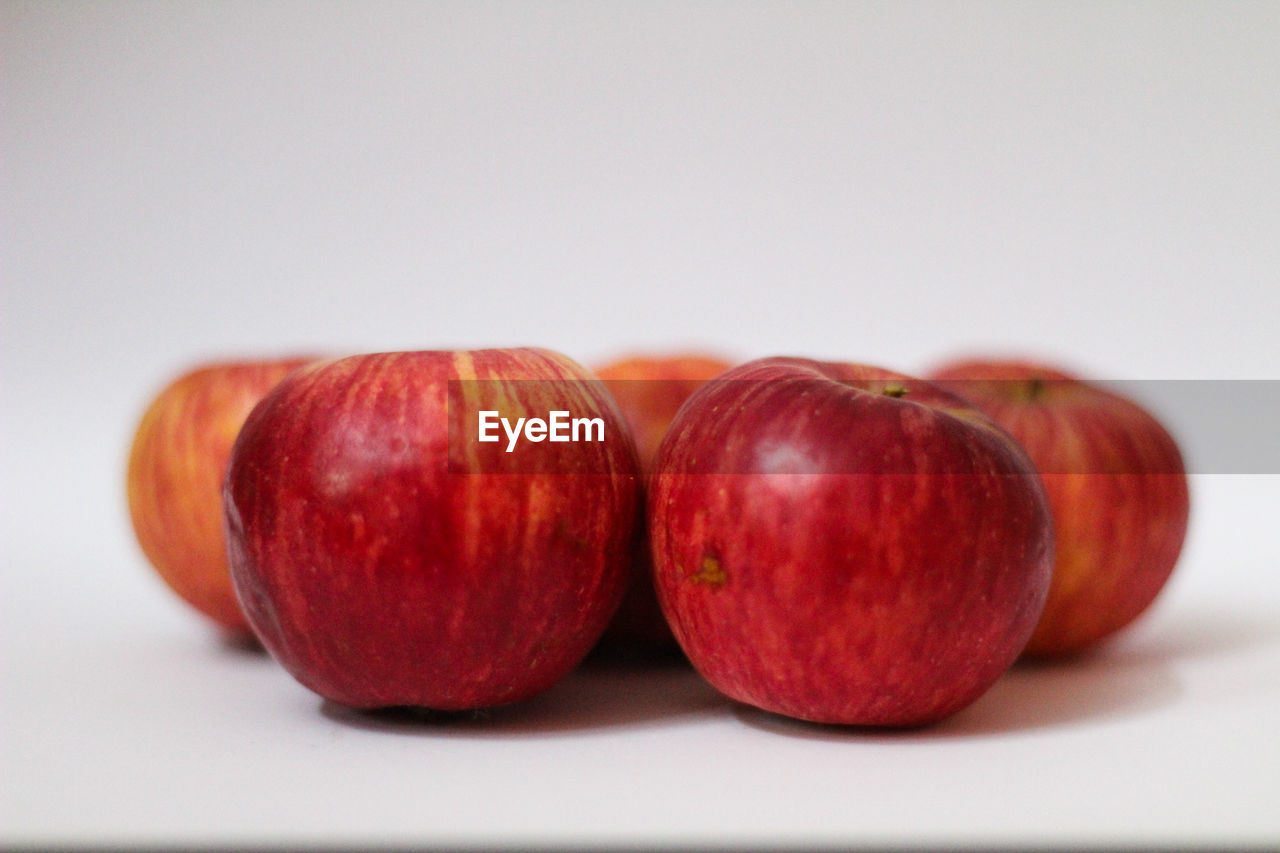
(888, 183)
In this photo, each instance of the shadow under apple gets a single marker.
(1131, 675)
(241, 644)
(589, 698)
(1028, 696)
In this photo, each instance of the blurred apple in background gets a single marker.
(1116, 484)
(844, 544)
(174, 478)
(650, 390)
(386, 557)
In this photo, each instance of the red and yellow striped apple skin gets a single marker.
(1117, 488)
(844, 544)
(174, 478)
(381, 570)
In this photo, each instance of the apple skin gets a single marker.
(386, 561)
(173, 481)
(1116, 485)
(833, 552)
(650, 390)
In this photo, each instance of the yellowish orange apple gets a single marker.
(174, 479)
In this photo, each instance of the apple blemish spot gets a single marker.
(711, 573)
(558, 426)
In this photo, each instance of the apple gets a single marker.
(649, 390)
(406, 529)
(845, 544)
(1117, 488)
(174, 478)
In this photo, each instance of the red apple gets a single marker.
(174, 478)
(649, 390)
(387, 556)
(1116, 486)
(845, 544)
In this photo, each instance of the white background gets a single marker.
(894, 183)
